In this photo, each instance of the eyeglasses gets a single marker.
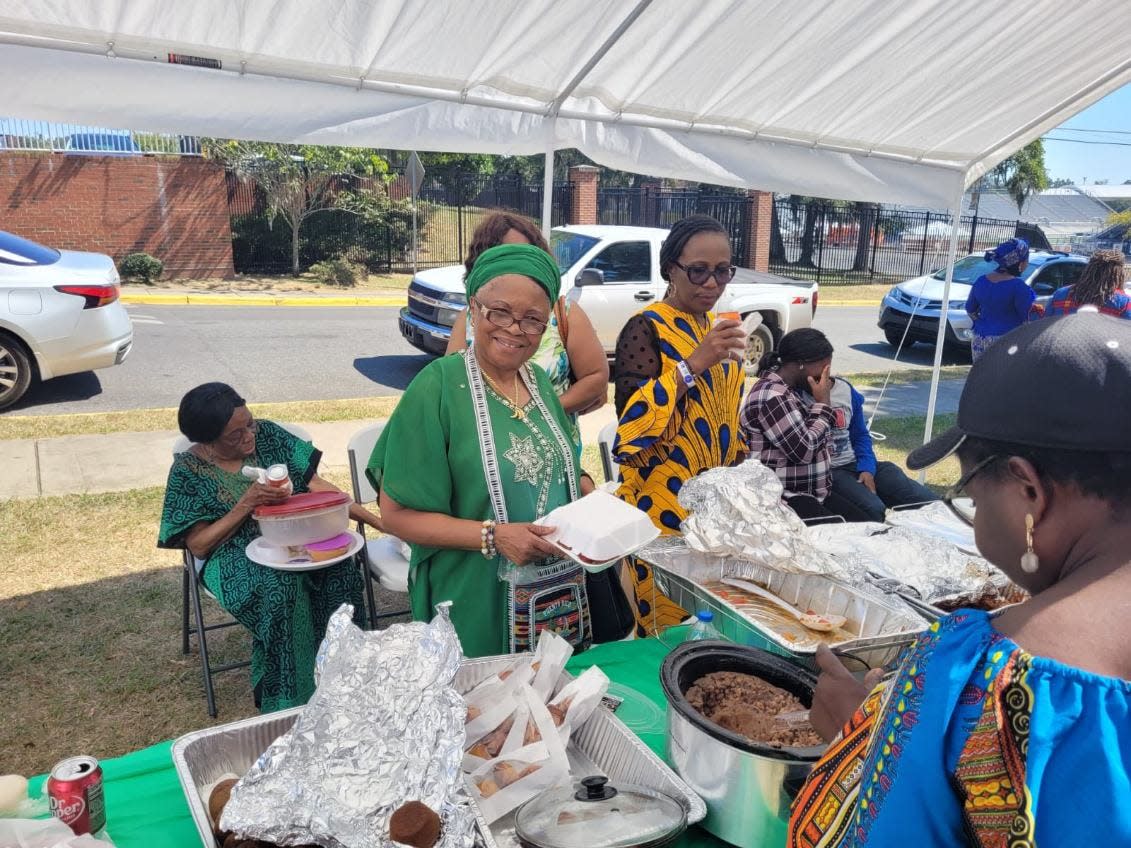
(502, 319)
(698, 274)
(234, 437)
(961, 504)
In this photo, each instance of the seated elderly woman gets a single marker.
(208, 509)
(1011, 728)
(477, 449)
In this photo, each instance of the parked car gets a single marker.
(59, 314)
(918, 301)
(613, 272)
(102, 144)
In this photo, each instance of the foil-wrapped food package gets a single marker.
(738, 512)
(933, 567)
(384, 727)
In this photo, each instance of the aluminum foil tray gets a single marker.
(603, 745)
(878, 627)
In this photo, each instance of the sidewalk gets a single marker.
(118, 462)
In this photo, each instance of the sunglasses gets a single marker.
(956, 499)
(698, 274)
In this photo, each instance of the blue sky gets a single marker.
(1075, 160)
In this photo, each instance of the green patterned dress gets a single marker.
(285, 611)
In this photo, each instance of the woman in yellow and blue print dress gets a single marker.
(679, 385)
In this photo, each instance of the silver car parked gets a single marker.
(60, 313)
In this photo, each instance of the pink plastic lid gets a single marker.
(298, 504)
(342, 540)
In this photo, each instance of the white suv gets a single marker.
(918, 302)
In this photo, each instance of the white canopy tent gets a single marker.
(879, 100)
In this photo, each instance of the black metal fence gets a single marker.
(654, 206)
(865, 243)
(448, 210)
(832, 243)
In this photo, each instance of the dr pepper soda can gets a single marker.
(75, 792)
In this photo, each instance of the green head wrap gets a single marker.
(525, 259)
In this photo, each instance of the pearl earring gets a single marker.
(1029, 560)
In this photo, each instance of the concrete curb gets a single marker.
(259, 300)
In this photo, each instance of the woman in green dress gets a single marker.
(477, 449)
(208, 509)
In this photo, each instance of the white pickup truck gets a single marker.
(613, 272)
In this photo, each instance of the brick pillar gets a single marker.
(583, 194)
(759, 214)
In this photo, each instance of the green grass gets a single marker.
(90, 623)
(904, 435)
(905, 376)
(833, 294)
(148, 420)
(442, 240)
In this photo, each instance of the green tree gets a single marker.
(459, 173)
(298, 180)
(1023, 174)
(1117, 219)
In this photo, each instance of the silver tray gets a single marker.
(603, 745)
(880, 627)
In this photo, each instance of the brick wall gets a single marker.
(583, 187)
(760, 210)
(174, 208)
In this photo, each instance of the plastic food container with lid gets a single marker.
(596, 814)
(598, 529)
(302, 519)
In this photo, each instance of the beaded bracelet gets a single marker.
(487, 540)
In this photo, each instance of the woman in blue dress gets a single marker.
(1000, 301)
(1010, 729)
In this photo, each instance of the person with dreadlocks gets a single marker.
(1000, 301)
(679, 380)
(791, 432)
(1100, 285)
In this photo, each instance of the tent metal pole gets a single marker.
(944, 313)
(548, 190)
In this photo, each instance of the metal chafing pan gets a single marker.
(603, 745)
(877, 627)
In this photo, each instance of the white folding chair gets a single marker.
(605, 439)
(383, 559)
(192, 587)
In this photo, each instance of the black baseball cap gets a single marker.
(1057, 383)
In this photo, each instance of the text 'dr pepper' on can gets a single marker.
(74, 790)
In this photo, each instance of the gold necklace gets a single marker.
(519, 414)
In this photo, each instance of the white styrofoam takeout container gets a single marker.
(598, 529)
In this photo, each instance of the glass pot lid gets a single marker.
(596, 814)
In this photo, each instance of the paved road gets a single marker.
(860, 346)
(276, 353)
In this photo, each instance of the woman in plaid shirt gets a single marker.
(784, 432)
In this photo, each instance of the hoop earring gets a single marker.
(1029, 560)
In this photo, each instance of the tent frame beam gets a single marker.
(538, 108)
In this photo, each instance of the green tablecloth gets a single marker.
(145, 806)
